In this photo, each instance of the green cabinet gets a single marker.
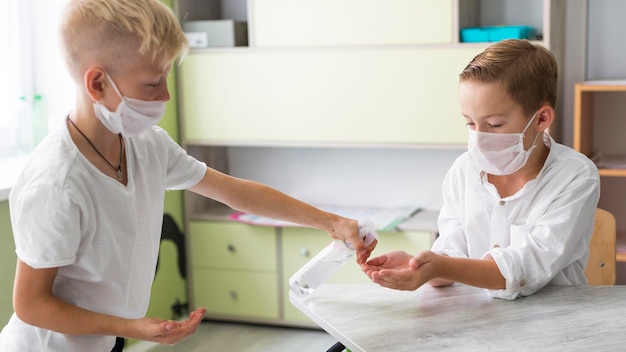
(240, 272)
(234, 271)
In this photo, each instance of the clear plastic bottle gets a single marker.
(328, 261)
(40, 119)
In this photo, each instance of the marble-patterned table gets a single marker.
(367, 317)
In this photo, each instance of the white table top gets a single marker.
(367, 317)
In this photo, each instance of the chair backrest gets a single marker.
(601, 263)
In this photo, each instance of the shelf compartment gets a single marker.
(610, 165)
(597, 132)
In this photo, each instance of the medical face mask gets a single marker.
(499, 153)
(132, 116)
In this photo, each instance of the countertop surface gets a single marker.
(367, 317)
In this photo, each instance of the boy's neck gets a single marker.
(508, 185)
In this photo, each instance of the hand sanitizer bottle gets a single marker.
(328, 261)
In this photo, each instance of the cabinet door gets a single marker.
(284, 23)
(232, 246)
(299, 245)
(234, 269)
(236, 294)
(396, 96)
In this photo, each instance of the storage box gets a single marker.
(497, 33)
(216, 33)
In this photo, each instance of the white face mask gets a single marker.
(499, 153)
(132, 116)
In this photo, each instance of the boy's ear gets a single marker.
(94, 80)
(545, 117)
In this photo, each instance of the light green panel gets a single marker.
(301, 244)
(169, 286)
(169, 122)
(330, 22)
(8, 260)
(398, 96)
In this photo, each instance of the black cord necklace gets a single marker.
(118, 169)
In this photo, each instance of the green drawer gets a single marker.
(236, 293)
(232, 246)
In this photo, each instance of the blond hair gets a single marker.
(106, 29)
(528, 72)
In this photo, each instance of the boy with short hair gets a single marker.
(88, 208)
(518, 208)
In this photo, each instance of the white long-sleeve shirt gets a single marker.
(537, 236)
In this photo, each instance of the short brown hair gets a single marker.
(528, 72)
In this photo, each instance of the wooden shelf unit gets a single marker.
(584, 126)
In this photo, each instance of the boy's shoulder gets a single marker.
(49, 161)
(567, 165)
(565, 155)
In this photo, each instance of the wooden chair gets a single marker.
(601, 263)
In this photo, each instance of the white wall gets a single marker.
(349, 176)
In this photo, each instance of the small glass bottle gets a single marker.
(329, 260)
(24, 126)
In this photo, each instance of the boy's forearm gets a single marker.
(279, 205)
(266, 201)
(57, 315)
(482, 273)
(35, 304)
(257, 198)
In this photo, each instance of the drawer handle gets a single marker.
(304, 252)
(234, 295)
(231, 248)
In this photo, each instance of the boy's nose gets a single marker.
(164, 94)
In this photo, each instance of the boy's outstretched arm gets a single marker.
(35, 304)
(256, 198)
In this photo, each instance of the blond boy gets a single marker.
(87, 210)
(518, 207)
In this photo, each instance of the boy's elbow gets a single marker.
(28, 309)
(33, 300)
(440, 282)
(23, 311)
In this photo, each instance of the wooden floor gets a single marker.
(218, 336)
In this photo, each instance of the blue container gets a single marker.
(496, 33)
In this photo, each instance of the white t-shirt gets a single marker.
(103, 236)
(537, 236)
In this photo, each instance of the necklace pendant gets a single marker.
(119, 173)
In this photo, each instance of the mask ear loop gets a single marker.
(113, 84)
(537, 135)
